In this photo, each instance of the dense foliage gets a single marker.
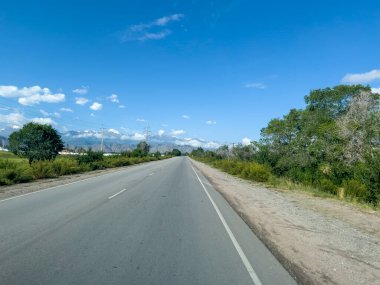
(16, 170)
(36, 142)
(332, 144)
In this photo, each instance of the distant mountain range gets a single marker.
(115, 142)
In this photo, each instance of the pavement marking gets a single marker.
(238, 248)
(151, 174)
(114, 195)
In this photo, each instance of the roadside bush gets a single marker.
(328, 186)
(42, 169)
(13, 172)
(90, 157)
(65, 166)
(256, 172)
(355, 190)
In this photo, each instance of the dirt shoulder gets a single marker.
(319, 241)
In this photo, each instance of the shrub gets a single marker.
(42, 169)
(256, 172)
(328, 186)
(65, 166)
(14, 172)
(90, 157)
(356, 190)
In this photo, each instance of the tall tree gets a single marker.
(36, 142)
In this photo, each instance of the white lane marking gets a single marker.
(54, 187)
(114, 195)
(238, 248)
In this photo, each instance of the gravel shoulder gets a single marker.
(319, 241)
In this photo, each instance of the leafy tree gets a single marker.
(36, 142)
(176, 152)
(144, 147)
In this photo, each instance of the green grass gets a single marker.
(237, 168)
(17, 170)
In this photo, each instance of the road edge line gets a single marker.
(236, 244)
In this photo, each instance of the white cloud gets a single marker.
(140, 120)
(210, 122)
(185, 117)
(31, 95)
(160, 132)
(121, 106)
(177, 132)
(150, 31)
(366, 77)
(165, 20)
(114, 131)
(135, 137)
(12, 119)
(257, 85)
(92, 115)
(246, 141)
(155, 36)
(82, 90)
(96, 106)
(113, 98)
(197, 143)
(47, 114)
(44, 121)
(375, 90)
(81, 101)
(66, 110)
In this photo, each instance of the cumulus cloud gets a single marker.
(47, 114)
(197, 143)
(44, 121)
(135, 137)
(365, 77)
(63, 109)
(152, 30)
(31, 95)
(16, 119)
(121, 106)
(375, 90)
(113, 98)
(185, 117)
(96, 106)
(140, 120)
(160, 132)
(257, 85)
(177, 132)
(246, 141)
(81, 101)
(114, 131)
(211, 122)
(81, 91)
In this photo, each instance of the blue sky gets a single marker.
(217, 70)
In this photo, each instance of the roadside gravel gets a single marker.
(319, 241)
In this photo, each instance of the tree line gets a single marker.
(332, 144)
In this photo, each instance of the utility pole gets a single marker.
(147, 133)
(101, 145)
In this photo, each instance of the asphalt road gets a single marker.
(157, 223)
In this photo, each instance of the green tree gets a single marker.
(176, 152)
(144, 147)
(36, 142)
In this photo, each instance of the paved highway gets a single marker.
(157, 223)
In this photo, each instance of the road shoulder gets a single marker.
(317, 240)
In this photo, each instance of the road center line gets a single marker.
(238, 248)
(114, 195)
